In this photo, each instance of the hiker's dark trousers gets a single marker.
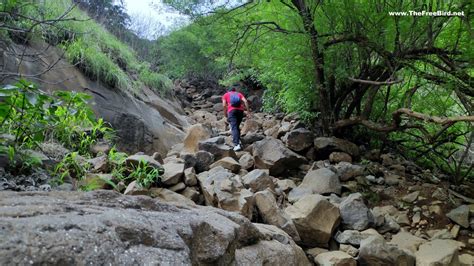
(235, 118)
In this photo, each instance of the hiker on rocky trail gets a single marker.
(234, 111)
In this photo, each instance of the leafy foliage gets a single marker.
(144, 174)
(307, 55)
(31, 116)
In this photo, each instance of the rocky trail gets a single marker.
(290, 197)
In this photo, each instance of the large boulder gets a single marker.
(221, 189)
(228, 163)
(325, 146)
(258, 180)
(407, 241)
(272, 214)
(438, 252)
(315, 219)
(460, 215)
(354, 213)
(250, 126)
(246, 161)
(272, 154)
(194, 135)
(277, 249)
(204, 160)
(375, 251)
(322, 181)
(335, 258)
(298, 139)
(217, 147)
(173, 173)
(105, 227)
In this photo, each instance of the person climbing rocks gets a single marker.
(235, 104)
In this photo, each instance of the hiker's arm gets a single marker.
(246, 104)
(224, 104)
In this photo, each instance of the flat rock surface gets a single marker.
(66, 228)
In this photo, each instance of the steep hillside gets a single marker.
(80, 55)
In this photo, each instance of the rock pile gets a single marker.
(341, 204)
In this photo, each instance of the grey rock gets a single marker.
(272, 214)
(133, 230)
(375, 251)
(228, 163)
(324, 146)
(354, 213)
(351, 237)
(286, 184)
(297, 193)
(348, 171)
(250, 138)
(438, 252)
(204, 160)
(173, 173)
(314, 228)
(271, 154)
(322, 181)
(246, 161)
(258, 180)
(217, 147)
(277, 249)
(335, 258)
(407, 241)
(190, 178)
(178, 187)
(460, 215)
(410, 198)
(298, 139)
(337, 157)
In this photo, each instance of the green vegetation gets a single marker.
(29, 116)
(87, 44)
(348, 65)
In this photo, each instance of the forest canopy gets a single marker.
(351, 65)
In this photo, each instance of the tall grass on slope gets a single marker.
(95, 50)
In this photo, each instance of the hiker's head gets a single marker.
(234, 87)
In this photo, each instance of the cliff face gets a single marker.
(144, 122)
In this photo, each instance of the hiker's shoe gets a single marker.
(238, 148)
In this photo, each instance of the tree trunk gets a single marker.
(318, 62)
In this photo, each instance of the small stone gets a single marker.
(190, 178)
(371, 178)
(416, 218)
(460, 215)
(349, 250)
(435, 209)
(178, 187)
(246, 161)
(337, 157)
(410, 198)
(455, 230)
(286, 184)
(191, 194)
(316, 251)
